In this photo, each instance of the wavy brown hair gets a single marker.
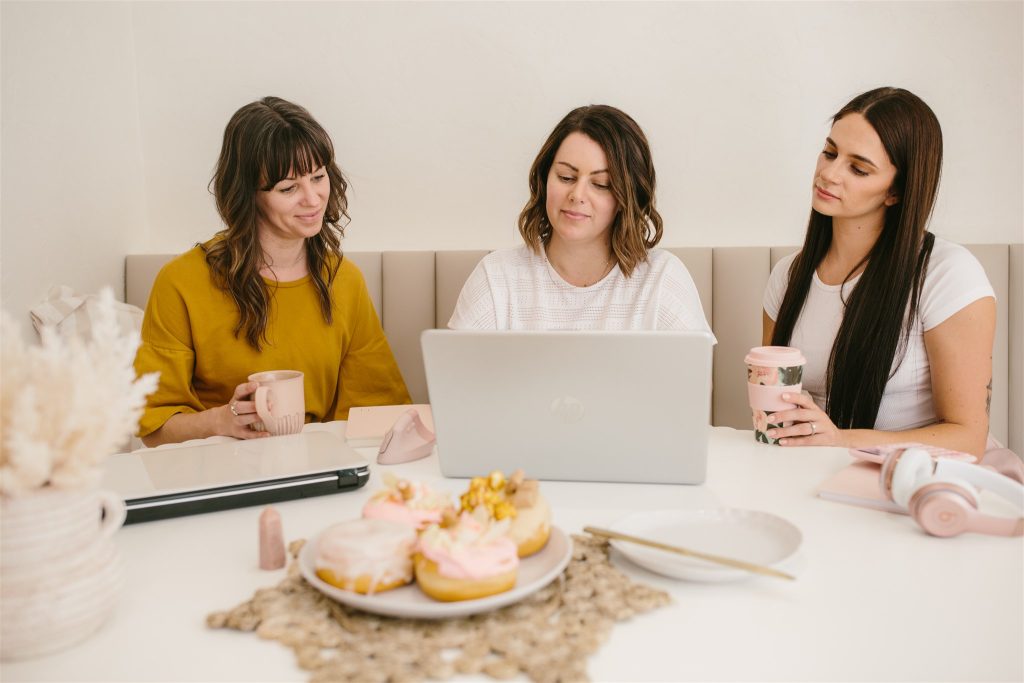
(883, 304)
(265, 142)
(637, 226)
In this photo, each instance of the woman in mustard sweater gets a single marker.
(271, 291)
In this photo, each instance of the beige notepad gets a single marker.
(857, 484)
(367, 425)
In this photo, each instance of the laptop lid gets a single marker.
(583, 406)
(170, 482)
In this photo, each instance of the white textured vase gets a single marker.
(60, 572)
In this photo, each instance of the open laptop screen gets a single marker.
(584, 406)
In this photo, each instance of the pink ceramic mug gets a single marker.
(280, 401)
(771, 372)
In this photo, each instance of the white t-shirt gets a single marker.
(954, 280)
(515, 289)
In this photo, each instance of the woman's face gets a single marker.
(853, 174)
(294, 207)
(580, 204)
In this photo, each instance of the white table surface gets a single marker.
(875, 597)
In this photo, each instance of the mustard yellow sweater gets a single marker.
(188, 336)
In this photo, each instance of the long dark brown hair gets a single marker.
(265, 142)
(637, 226)
(882, 306)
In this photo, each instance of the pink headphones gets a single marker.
(942, 495)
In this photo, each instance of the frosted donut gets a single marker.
(366, 555)
(517, 499)
(531, 527)
(411, 503)
(466, 562)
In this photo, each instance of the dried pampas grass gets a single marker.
(65, 405)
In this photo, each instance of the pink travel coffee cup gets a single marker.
(771, 372)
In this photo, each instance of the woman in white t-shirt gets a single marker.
(896, 324)
(590, 228)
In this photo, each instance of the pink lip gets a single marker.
(574, 216)
(823, 194)
(308, 216)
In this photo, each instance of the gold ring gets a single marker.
(234, 410)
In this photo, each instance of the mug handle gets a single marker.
(262, 398)
(114, 513)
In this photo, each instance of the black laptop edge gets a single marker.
(148, 509)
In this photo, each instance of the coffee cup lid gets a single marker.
(781, 356)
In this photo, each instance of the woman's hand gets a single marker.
(237, 417)
(234, 419)
(811, 425)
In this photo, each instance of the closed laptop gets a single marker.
(582, 406)
(189, 479)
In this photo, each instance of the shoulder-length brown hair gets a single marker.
(882, 306)
(265, 142)
(637, 226)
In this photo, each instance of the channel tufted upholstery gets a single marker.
(416, 290)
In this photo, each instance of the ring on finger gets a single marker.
(814, 429)
(234, 408)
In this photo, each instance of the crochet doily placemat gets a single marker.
(546, 636)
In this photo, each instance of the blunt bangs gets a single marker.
(289, 150)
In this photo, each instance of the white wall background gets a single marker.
(112, 114)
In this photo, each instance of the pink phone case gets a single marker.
(878, 453)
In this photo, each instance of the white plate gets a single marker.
(535, 572)
(748, 535)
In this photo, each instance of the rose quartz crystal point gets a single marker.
(272, 553)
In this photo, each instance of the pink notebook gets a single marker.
(367, 425)
(857, 484)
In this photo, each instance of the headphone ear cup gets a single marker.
(903, 472)
(944, 508)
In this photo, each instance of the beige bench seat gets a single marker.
(416, 290)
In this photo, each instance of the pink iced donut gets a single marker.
(467, 561)
(366, 555)
(411, 503)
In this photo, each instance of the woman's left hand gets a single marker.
(811, 425)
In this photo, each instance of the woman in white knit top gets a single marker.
(590, 229)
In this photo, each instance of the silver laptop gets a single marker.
(583, 406)
(184, 480)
